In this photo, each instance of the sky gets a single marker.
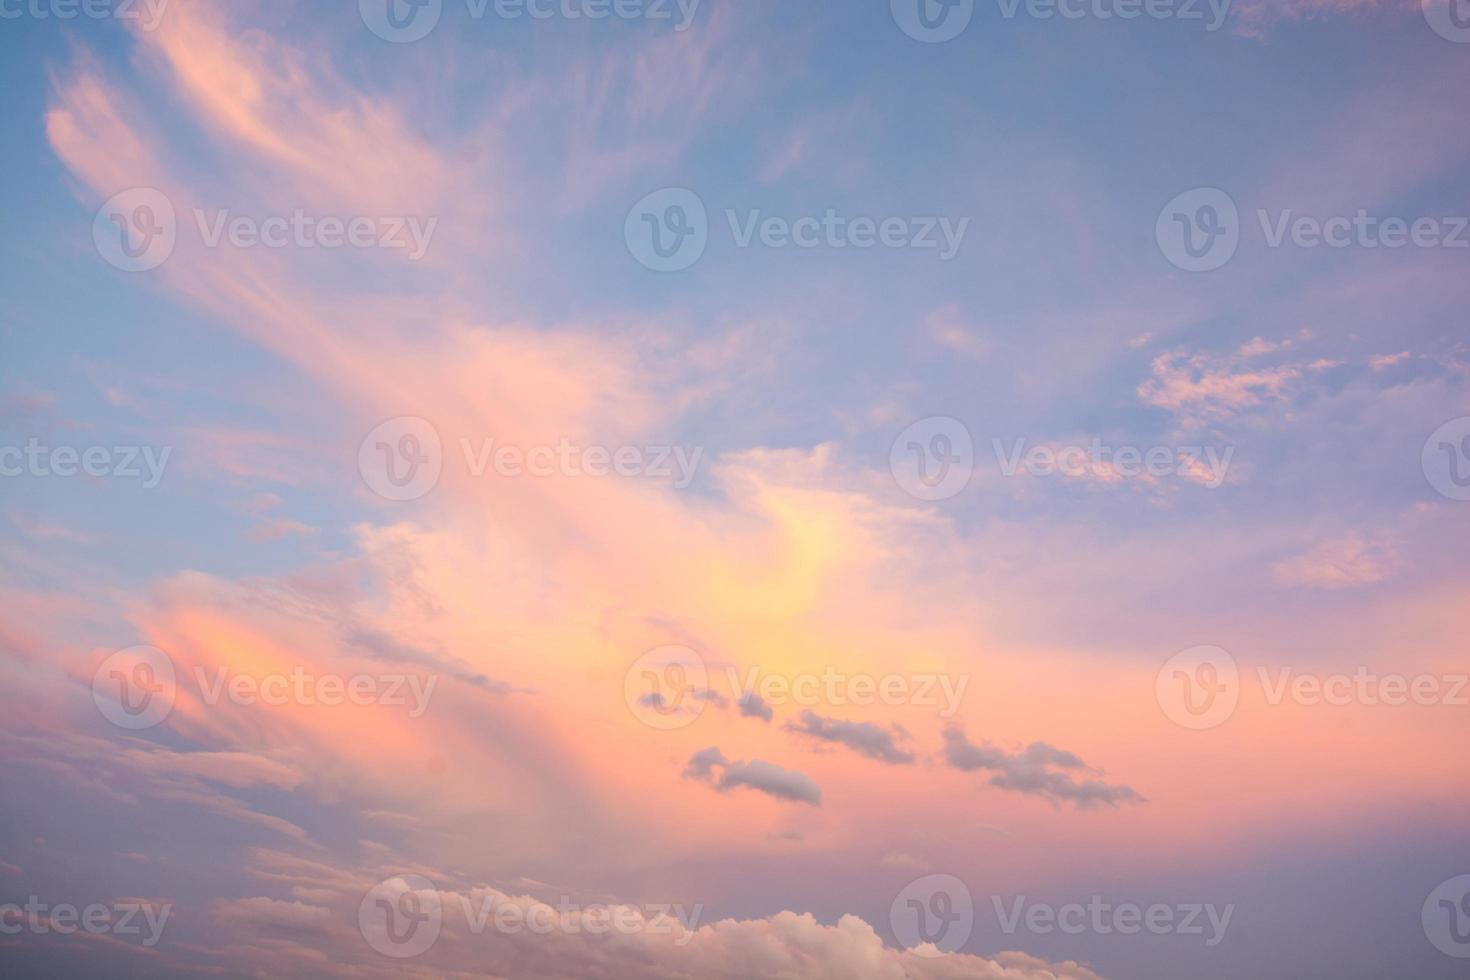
(639, 488)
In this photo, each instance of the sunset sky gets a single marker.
(842, 484)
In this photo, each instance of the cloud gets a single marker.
(1201, 387)
(1343, 563)
(277, 529)
(864, 738)
(1254, 17)
(764, 777)
(261, 911)
(1038, 770)
(752, 705)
